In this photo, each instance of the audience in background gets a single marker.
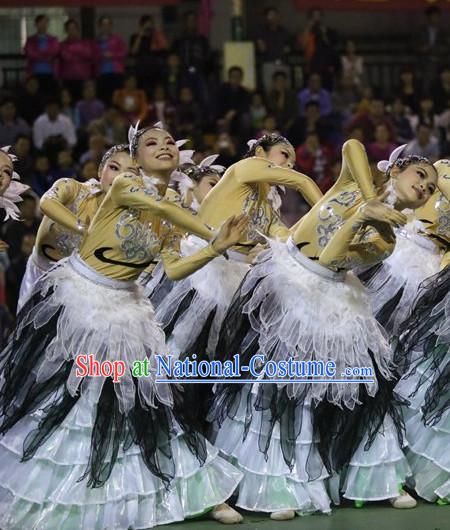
(53, 130)
(42, 52)
(111, 53)
(11, 125)
(80, 96)
(77, 60)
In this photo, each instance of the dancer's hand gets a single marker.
(376, 210)
(230, 233)
(3, 246)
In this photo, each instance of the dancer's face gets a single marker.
(157, 152)
(115, 165)
(6, 172)
(282, 154)
(415, 184)
(205, 185)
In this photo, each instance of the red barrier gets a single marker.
(371, 5)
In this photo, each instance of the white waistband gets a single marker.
(88, 272)
(314, 266)
(41, 263)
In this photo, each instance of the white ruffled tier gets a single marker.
(269, 484)
(393, 275)
(376, 474)
(33, 272)
(45, 492)
(108, 323)
(427, 452)
(214, 286)
(428, 456)
(310, 317)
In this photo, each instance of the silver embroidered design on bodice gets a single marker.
(137, 239)
(66, 241)
(259, 220)
(443, 211)
(329, 219)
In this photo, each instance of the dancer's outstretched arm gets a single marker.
(258, 170)
(356, 243)
(178, 267)
(52, 204)
(355, 161)
(128, 190)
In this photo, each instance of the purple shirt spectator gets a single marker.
(89, 108)
(90, 111)
(315, 92)
(11, 126)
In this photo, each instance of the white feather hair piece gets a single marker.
(385, 165)
(12, 196)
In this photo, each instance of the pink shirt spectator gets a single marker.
(42, 54)
(377, 152)
(77, 59)
(111, 54)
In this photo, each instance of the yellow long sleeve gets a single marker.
(354, 159)
(445, 261)
(354, 244)
(277, 229)
(257, 170)
(52, 203)
(444, 185)
(129, 191)
(178, 267)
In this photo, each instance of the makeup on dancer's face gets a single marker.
(6, 172)
(115, 165)
(157, 152)
(415, 184)
(282, 154)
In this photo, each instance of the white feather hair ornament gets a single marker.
(13, 192)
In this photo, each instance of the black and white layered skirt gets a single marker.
(393, 284)
(191, 311)
(425, 347)
(36, 266)
(84, 452)
(289, 306)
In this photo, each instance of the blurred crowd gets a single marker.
(80, 96)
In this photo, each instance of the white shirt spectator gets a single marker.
(44, 127)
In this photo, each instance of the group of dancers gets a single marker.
(164, 256)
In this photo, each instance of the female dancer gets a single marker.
(192, 313)
(10, 188)
(68, 206)
(424, 348)
(299, 303)
(86, 442)
(193, 182)
(421, 243)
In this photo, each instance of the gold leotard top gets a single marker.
(353, 187)
(244, 188)
(435, 218)
(172, 196)
(353, 245)
(133, 226)
(65, 204)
